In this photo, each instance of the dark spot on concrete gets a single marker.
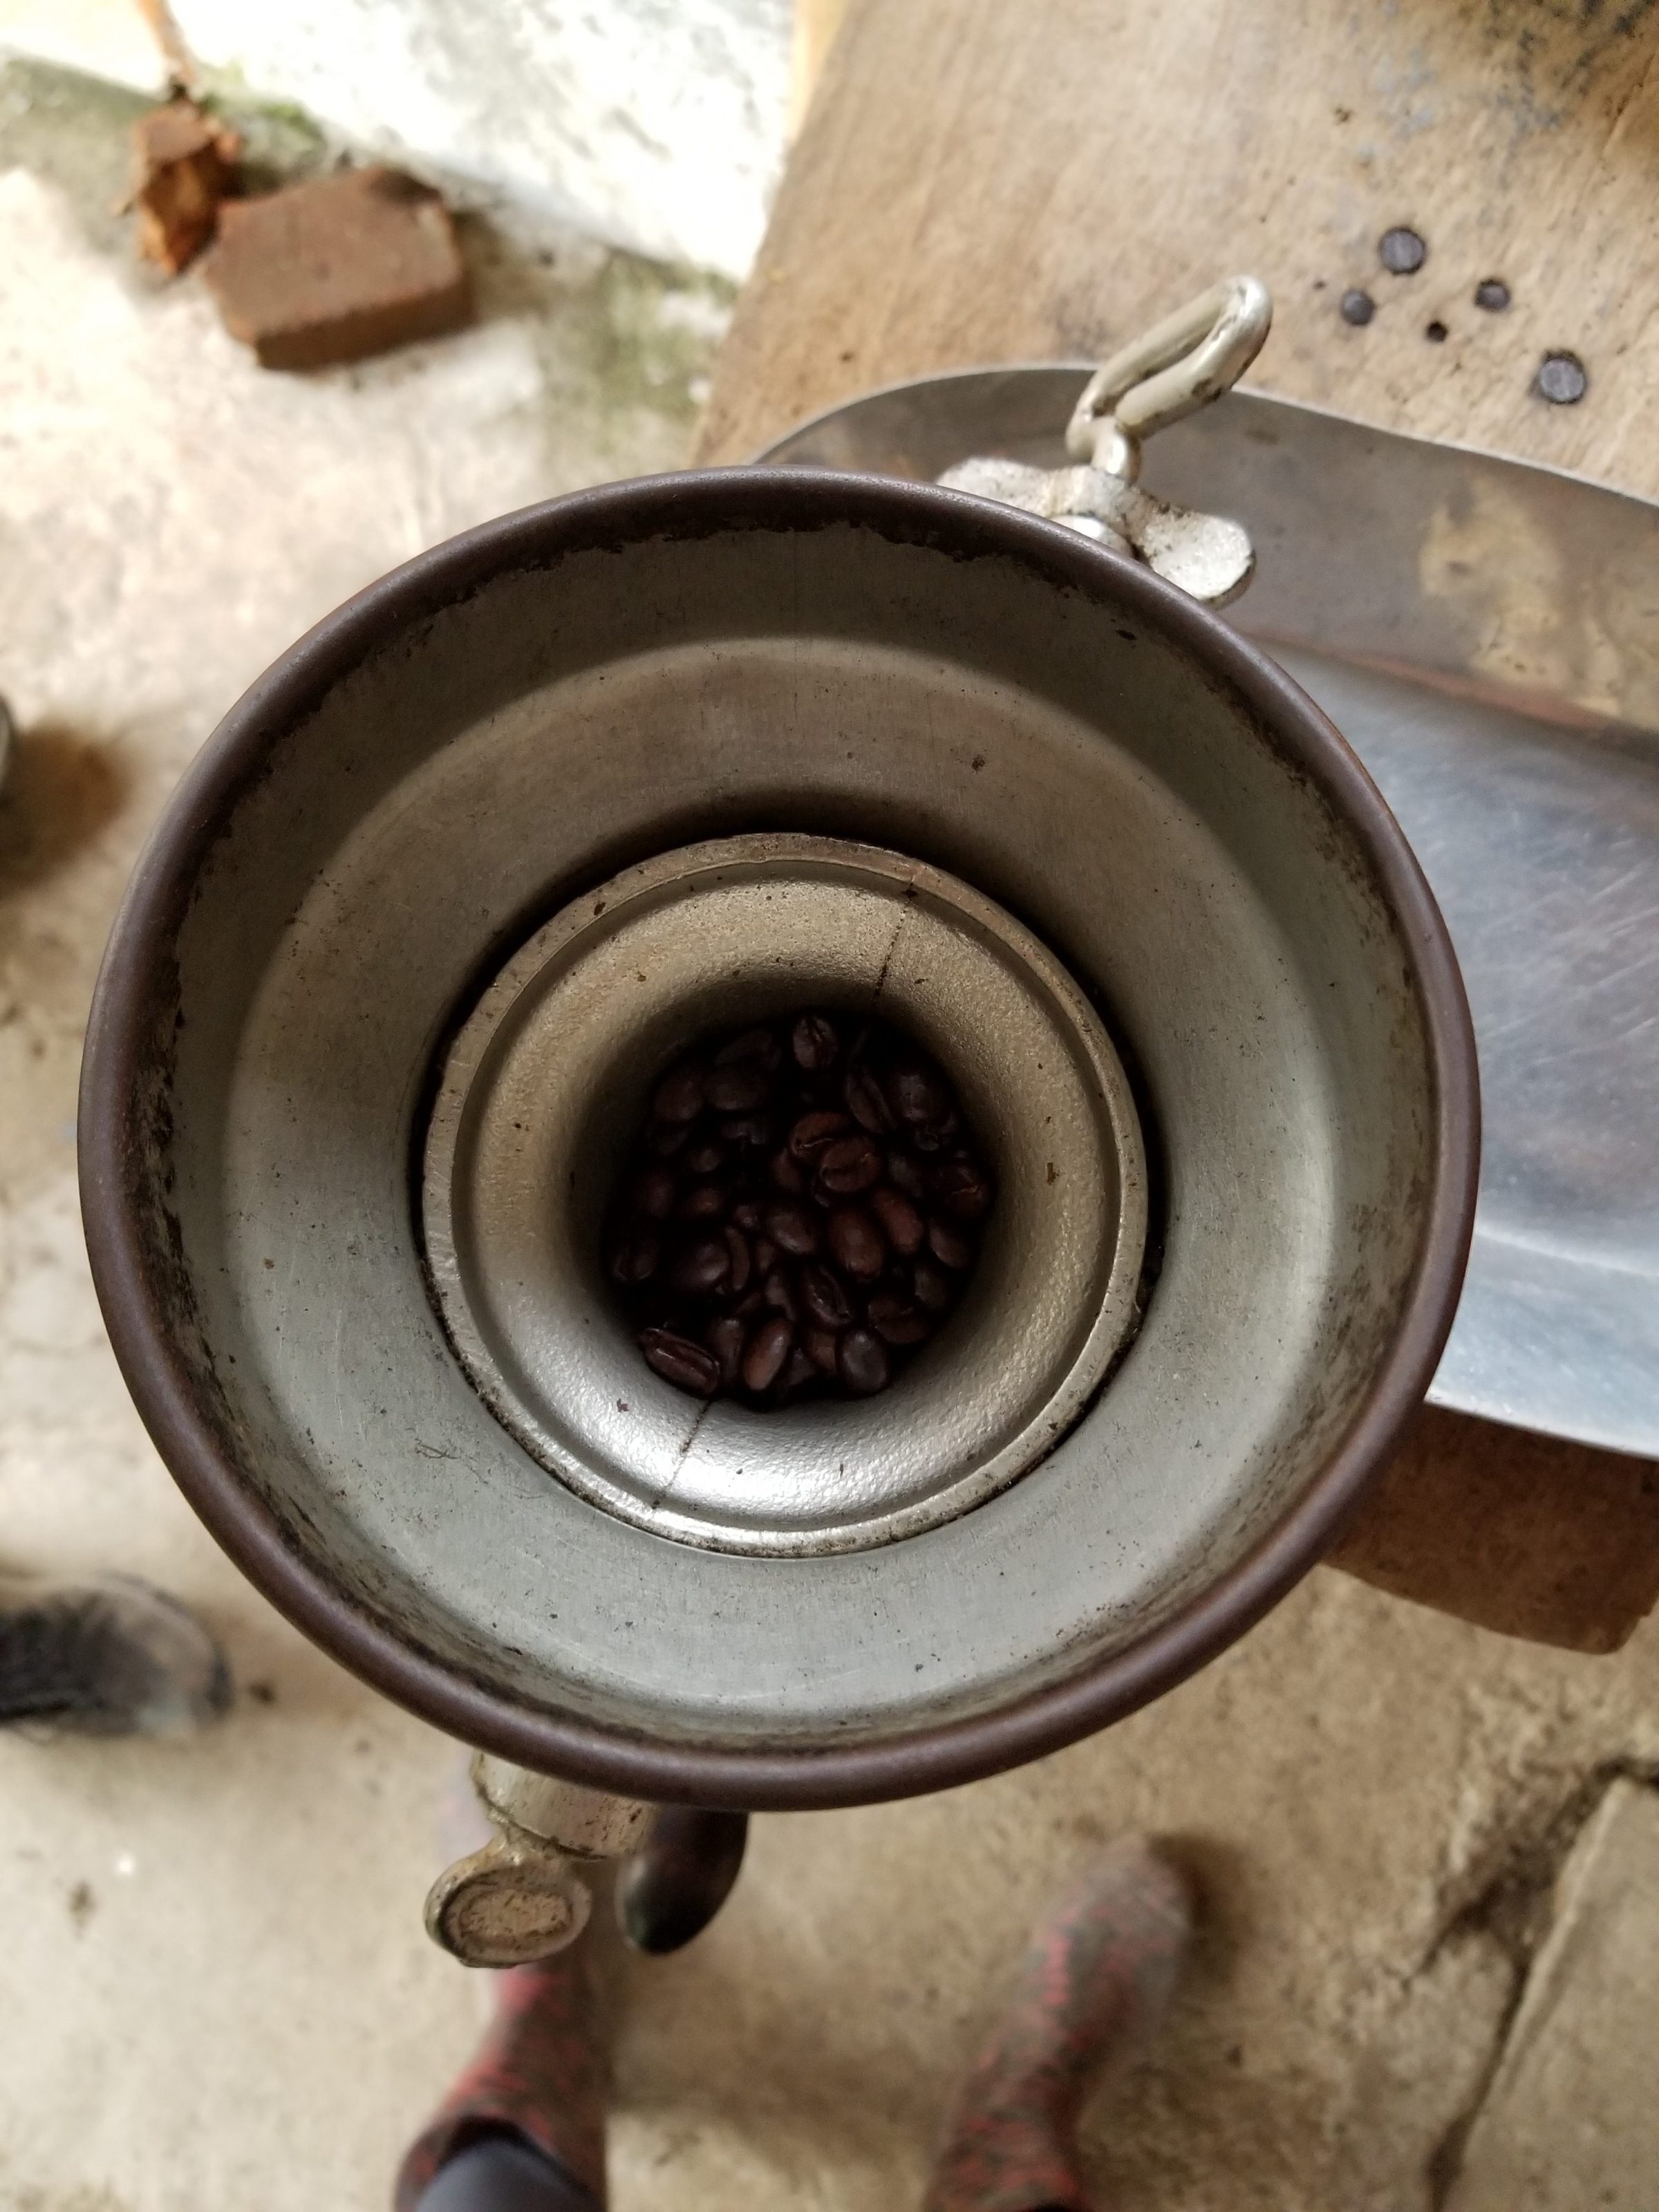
(82, 1903)
(1436, 332)
(263, 1693)
(1562, 379)
(62, 786)
(1358, 307)
(1343, 114)
(1054, 1172)
(1492, 294)
(978, 761)
(1402, 251)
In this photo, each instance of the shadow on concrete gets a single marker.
(62, 789)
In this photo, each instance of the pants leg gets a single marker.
(504, 2173)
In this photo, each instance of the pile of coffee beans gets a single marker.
(800, 1213)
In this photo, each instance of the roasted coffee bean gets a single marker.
(785, 1172)
(896, 1320)
(737, 1089)
(902, 1224)
(680, 1362)
(824, 1298)
(827, 1205)
(850, 1166)
(653, 1194)
(906, 1171)
(750, 1131)
(703, 1201)
(865, 1100)
(763, 1361)
(814, 1043)
(948, 1243)
(916, 1094)
(799, 1370)
(963, 1189)
(742, 1260)
(814, 1134)
(760, 1045)
(792, 1227)
(857, 1242)
(633, 1259)
(702, 1268)
(823, 1348)
(679, 1096)
(863, 1363)
(936, 1136)
(726, 1338)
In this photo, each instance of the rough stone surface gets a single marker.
(215, 1990)
(656, 123)
(337, 268)
(1571, 2121)
(109, 39)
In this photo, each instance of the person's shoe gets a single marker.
(109, 1656)
(538, 2075)
(670, 1891)
(1094, 1984)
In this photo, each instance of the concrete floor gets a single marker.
(215, 1991)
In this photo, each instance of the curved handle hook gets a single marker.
(1178, 367)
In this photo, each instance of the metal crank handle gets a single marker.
(1178, 367)
(524, 1895)
(1171, 370)
(521, 1896)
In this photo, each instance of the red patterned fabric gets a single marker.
(540, 2068)
(1095, 1984)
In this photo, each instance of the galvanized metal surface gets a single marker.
(1486, 634)
(1208, 556)
(566, 693)
(582, 1824)
(506, 1903)
(546, 1082)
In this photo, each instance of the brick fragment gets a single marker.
(337, 268)
(184, 165)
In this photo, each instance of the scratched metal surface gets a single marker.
(1486, 633)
